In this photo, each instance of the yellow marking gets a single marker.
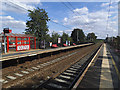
(117, 71)
(105, 77)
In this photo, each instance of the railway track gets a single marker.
(17, 77)
(68, 78)
(21, 73)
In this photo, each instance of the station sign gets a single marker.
(23, 47)
(12, 45)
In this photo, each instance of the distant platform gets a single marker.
(15, 55)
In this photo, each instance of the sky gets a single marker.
(65, 15)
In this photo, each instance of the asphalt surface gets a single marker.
(97, 74)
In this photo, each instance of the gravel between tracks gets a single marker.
(48, 71)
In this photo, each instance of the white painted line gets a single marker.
(55, 85)
(43, 64)
(25, 72)
(18, 74)
(48, 63)
(60, 80)
(76, 66)
(51, 62)
(41, 81)
(11, 77)
(30, 69)
(106, 78)
(56, 59)
(21, 56)
(67, 77)
(33, 54)
(5, 82)
(62, 57)
(68, 73)
(39, 66)
(71, 71)
(35, 68)
(2, 80)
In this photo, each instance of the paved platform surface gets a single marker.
(103, 73)
(21, 52)
(35, 52)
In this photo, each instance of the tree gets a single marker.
(118, 42)
(65, 37)
(55, 37)
(47, 38)
(78, 35)
(91, 36)
(37, 25)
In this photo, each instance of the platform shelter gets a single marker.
(18, 42)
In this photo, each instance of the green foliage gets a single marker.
(91, 37)
(37, 25)
(65, 37)
(114, 41)
(55, 37)
(47, 38)
(78, 35)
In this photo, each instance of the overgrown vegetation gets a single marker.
(114, 41)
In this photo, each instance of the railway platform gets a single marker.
(103, 72)
(16, 55)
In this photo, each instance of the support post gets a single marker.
(29, 43)
(35, 42)
(16, 43)
(4, 43)
(44, 43)
(7, 44)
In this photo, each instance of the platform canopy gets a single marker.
(19, 41)
(16, 35)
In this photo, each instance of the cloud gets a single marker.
(65, 19)
(83, 10)
(16, 25)
(55, 21)
(68, 30)
(93, 21)
(15, 6)
(6, 18)
(60, 31)
(18, 5)
(104, 4)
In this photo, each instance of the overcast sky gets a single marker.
(90, 16)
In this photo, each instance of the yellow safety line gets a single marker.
(117, 71)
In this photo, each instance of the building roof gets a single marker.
(16, 35)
